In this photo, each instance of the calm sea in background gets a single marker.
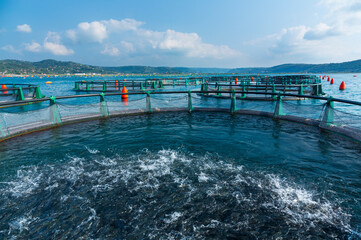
(181, 176)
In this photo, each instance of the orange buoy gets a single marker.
(342, 86)
(116, 83)
(124, 90)
(4, 87)
(125, 101)
(236, 81)
(252, 79)
(332, 81)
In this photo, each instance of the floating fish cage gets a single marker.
(134, 84)
(320, 112)
(150, 84)
(252, 91)
(172, 164)
(266, 79)
(19, 92)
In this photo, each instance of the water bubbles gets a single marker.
(163, 194)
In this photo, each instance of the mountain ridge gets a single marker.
(51, 66)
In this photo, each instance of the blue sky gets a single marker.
(189, 33)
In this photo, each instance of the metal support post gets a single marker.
(148, 103)
(233, 102)
(103, 106)
(278, 109)
(300, 89)
(20, 95)
(190, 106)
(328, 116)
(54, 112)
(38, 93)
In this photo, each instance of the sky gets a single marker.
(183, 33)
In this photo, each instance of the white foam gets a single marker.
(21, 224)
(92, 151)
(173, 217)
(202, 177)
(51, 187)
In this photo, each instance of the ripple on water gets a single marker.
(163, 195)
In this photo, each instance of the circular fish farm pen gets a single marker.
(182, 164)
(308, 84)
(147, 84)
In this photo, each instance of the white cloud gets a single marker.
(111, 51)
(345, 16)
(123, 25)
(33, 47)
(98, 31)
(94, 31)
(193, 46)
(127, 37)
(53, 44)
(288, 40)
(10, 48)
(23, 28)
(334, 39)
(321, 31)
(127, 46)
(187, 44)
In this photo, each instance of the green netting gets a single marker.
(24, 118)
(264, 106)
(210, 102)
(67, 110)
(116, 106)
(169, 101)
(346, 119)
(301, 109)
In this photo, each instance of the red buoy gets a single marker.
(236, 82)
(332, 81)
(125, 101)
(4, 87)
(116, 83)
(124, 90)
(342, 86)
(252, 79)
(328, 78)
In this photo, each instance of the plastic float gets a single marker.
(342, 85)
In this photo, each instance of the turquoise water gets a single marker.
(182, 176)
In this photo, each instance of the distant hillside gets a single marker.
(58, 67)
(46, 67)
(345, 67)
(163, 70)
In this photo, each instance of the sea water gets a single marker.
(180, 176)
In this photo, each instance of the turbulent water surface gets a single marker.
(180, 176)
